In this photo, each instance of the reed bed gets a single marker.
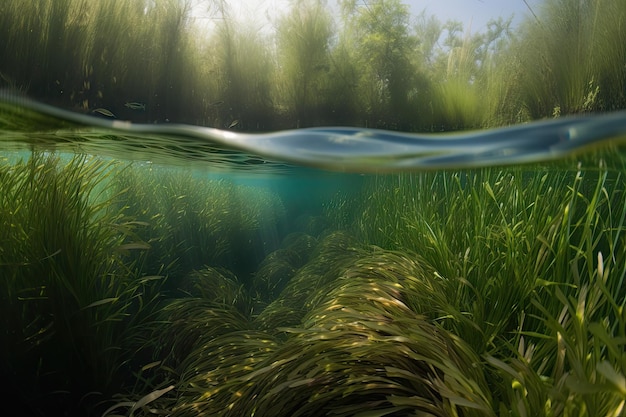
(371, 65)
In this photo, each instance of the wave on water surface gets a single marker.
(348, 149)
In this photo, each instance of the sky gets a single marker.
(474, 14)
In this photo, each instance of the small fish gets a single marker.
(135, 105)
(217, 103)
(104, 112)
(233, 123)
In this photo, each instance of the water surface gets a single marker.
(343, 149)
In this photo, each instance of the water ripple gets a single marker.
(27, 122)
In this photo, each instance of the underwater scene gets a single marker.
(321, 208)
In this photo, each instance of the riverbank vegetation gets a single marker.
(372, 64)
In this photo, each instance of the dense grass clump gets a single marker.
(70, 299)
(88, 254)
(530, 270)
(189, 221)
(352, 342)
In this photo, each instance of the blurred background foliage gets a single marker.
(369, 64)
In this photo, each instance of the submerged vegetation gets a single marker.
(485, 292)
(372, 64)
(87, 255)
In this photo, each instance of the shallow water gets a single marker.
(337, 269)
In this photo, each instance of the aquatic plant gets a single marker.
(358, 346)
(80, 240)
(468, 292)
(333, 253)
(530, 268)
(179, 221)
(70, 301)
(279, 267)
(570, 343)
(190, 222)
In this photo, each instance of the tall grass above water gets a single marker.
(579, 48)
(373, 65)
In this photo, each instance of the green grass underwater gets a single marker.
(137, 289)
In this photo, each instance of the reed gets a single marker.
(373, 65)
(574, 43)
(305, 60)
